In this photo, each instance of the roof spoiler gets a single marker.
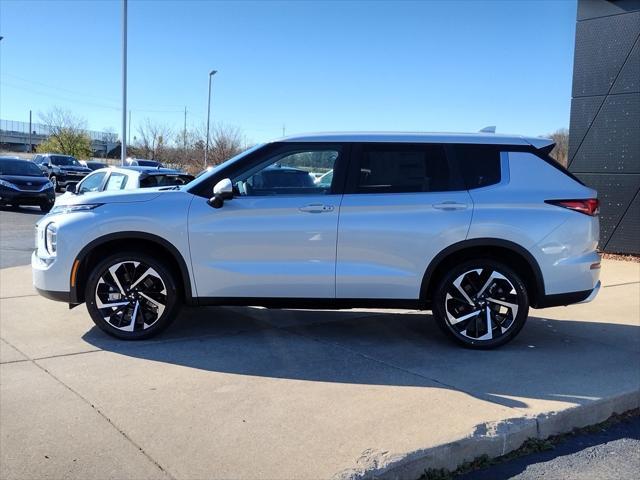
(543, 145)
(490, 129)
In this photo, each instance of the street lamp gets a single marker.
(123, 147)
(206, 149)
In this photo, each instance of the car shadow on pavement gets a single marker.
(555, 360)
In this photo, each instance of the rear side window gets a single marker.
(403, 168)
(117, 181)
(478, 164)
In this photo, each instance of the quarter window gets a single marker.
(479, 164)
(403, 168)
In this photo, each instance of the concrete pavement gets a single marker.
(254, 393)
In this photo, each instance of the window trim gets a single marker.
(205, 189)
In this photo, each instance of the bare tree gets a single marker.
(154, 139)
(226, 141)
(560, 152)
(67, 133)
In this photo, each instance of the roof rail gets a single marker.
(490, 129)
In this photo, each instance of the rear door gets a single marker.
(403, 204)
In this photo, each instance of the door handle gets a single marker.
(316, 208)
(450, 206)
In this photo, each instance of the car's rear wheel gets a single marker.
(131, 296)
(481, 304)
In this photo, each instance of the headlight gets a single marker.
(47, 185)
(6, 184)
(51, 239)
(74, 208)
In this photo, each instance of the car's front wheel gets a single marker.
(54, 181)
(131, 296)
(481, 304)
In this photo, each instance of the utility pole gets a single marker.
(129, 134)
(206, 148)
(283, 130)
(123, 149)
(184, 131)
(30, 144)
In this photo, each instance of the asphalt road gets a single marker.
(612, 454)
(17, 237)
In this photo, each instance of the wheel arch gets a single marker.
(512, 254)
(146, 242)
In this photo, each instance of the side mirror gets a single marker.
(72, 188)
(222, 191)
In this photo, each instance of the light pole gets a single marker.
(123, 148)
(206, 148)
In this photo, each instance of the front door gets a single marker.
(277, 236)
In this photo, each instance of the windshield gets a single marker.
(19, 167)
(65, 161)
(147, 163)
(208, 172)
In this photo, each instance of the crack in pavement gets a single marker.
(96, 409)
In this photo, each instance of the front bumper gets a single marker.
(50, 278)
(54, 295)
(26, 197)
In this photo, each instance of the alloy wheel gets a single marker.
(481, 304)
(131, 296)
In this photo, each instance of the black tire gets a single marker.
(143, 299)
(46, 207)
(481, 280)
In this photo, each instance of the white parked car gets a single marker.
(475, 227)
(128, 178)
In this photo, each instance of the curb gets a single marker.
(493, 439)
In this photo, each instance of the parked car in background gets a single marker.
(62, 170)
(474, 227)
(23, 183)
(95, 165)
(129, 178)
(142, 162)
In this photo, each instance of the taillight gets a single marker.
(589, 206)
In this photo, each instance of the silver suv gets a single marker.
(475, 227)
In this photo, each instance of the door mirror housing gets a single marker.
(72, 188)
(223, 190)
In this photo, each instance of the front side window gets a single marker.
(92, 183)
(290, 173)
(403, 168)
(117, 181)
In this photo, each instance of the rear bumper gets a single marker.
(562, 299)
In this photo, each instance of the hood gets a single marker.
(119, 196)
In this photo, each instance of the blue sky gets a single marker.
(311, 66)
